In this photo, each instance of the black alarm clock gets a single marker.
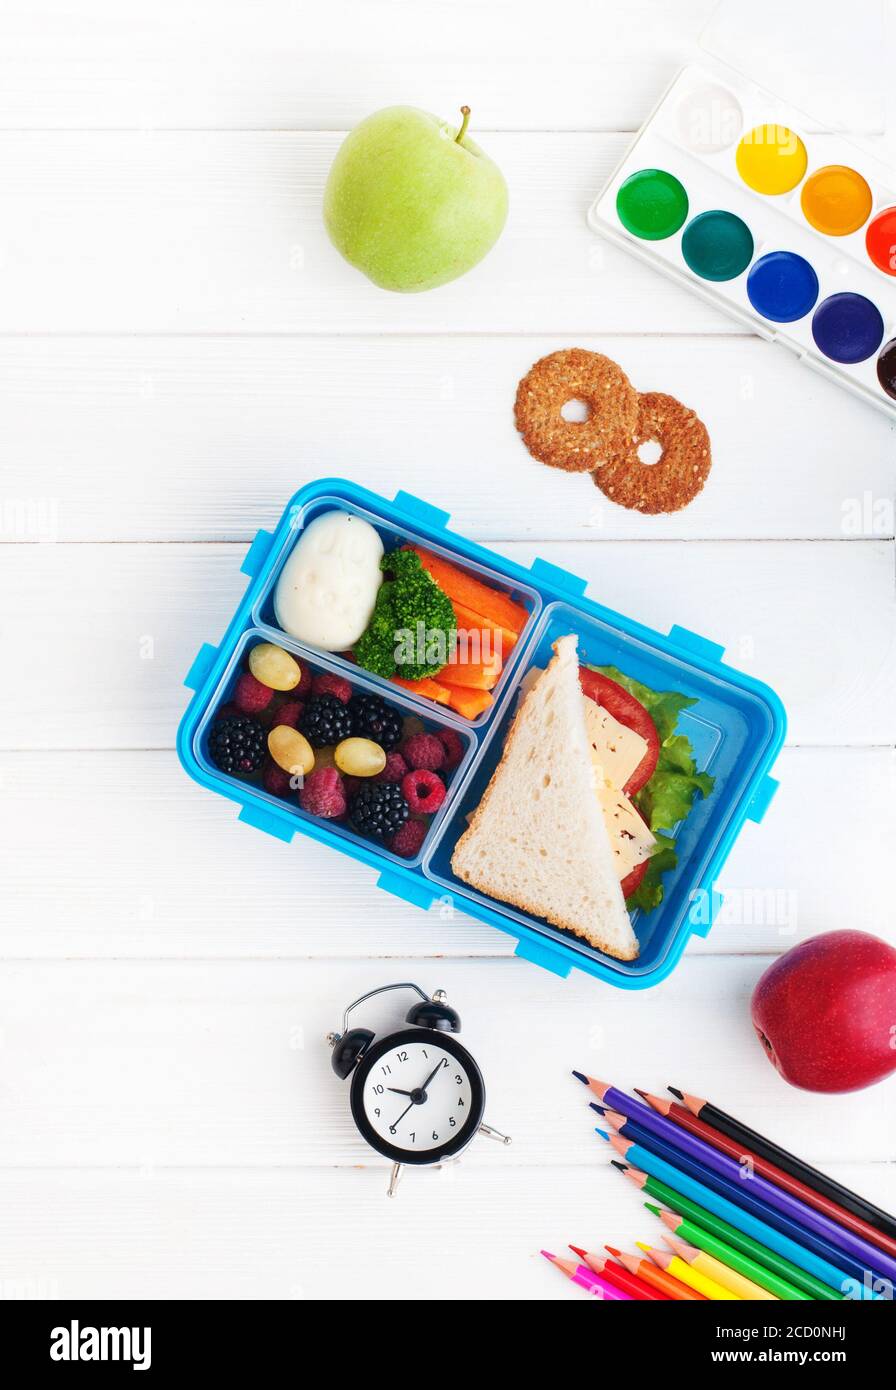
(417, 1095)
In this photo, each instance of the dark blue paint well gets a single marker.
(782, 286)
(848, 327)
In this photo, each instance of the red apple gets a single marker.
(825, 1012)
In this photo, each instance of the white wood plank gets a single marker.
(280, 64)
(186, 439)
(113, 629)
(129, 1064)
(222, 232)
(319, 1234)
(139, 897)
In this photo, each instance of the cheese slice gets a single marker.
(630, 838)
(615, 748)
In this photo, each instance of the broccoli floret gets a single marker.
(412, 631)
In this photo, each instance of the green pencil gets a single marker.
(741, 1264)
(653, 1187)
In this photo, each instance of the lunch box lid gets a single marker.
(555, 584)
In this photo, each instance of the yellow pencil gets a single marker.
(680, 1269)
(715, 1269)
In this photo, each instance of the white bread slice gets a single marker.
(537, 839)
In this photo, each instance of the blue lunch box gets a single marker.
(736, 728)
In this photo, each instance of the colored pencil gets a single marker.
(745, 1196)
(675, 1265)
(729, 1255)
(765, 1148)
(617, 1274)
(652, 1274)
(701, 1160)
(637, 1156)
(592, 1283)
(682, 1117)
(724, 1230)
(715, 1269)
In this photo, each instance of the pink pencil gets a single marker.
(581, 1275)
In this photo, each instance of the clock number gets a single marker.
(452, 1122)
(386, 1070)
(434, 1137)
(378, 1088)
(413, 1137)
(460, 1100)
(377, 1111)
(459, 1079)
(402, 1056)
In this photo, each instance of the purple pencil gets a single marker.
(708, 1157)
(586, 1279)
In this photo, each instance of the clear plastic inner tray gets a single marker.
(393, 537)
(730, 731)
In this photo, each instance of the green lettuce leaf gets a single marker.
(649, 892)
(670, 794)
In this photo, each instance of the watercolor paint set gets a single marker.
(734, 193)
(735, 725)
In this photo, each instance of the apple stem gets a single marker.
(459, 137)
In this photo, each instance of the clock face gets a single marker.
(417, 1096)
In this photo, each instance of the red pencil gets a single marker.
(680, 1115)
(620, 1276)
(652, 1274)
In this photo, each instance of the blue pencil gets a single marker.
(795, 1250)
(763, 1199)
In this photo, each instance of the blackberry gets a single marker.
(237, 744)
(376, 720)
(378, 810)
(326, 721)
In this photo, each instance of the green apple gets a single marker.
(411, 201)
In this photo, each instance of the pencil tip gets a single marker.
(576, 1251)
(623, 1167)
(613, 1251)
(643, 1246)
(548, 1256)
(638, 1092)
(651, 1207)
(675, 1091)
(599, 1108)
(580, 1076)
(603, 1134)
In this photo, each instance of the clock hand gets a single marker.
(393, 1127)
(395, 1091)
(431, 1075)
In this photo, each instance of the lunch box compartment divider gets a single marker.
(737, 729)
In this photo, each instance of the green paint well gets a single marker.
(652, 204)
(717, 245)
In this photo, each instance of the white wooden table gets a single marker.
(181, 348)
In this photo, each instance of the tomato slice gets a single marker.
(632, 882)
(630, 712)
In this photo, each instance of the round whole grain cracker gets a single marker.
(679, 473)
(576, 375)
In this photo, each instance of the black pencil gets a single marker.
(773, 1153)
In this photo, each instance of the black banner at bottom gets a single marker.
(80, 1339)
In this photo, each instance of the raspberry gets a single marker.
(323, 794)
(275, 780)
(289, 713)
(452, 746)
(326, 684)
(409, 839)
(424, 751)
(250, 696)
(303, 689)
(395, 769)
(423, 791)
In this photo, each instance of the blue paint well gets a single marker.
(848, 327)
(782, 286)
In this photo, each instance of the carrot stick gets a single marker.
(469, 703)
(472, 593)
(426, 687)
